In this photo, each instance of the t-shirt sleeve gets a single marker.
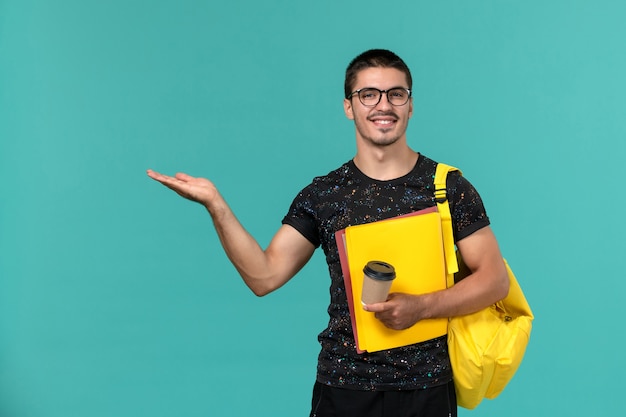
(466, 207)
(301, 216)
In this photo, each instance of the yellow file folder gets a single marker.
(413, 245)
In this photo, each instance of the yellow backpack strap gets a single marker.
(441, 197)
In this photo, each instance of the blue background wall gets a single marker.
(115, 296)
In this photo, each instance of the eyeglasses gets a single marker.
(370, 97)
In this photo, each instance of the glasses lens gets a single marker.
(369, 96)
(398, 96)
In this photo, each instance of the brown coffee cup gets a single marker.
(377, 279)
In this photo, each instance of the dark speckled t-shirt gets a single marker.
(347, 197)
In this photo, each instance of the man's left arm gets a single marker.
(486, 284)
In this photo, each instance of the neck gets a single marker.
(386, 163)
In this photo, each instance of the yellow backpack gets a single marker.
(486, 347)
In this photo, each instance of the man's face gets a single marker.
(383, 124)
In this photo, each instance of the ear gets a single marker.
(410, 107)
(347, 108)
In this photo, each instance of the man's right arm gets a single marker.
(263, 270)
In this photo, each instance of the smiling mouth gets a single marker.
(384, 121)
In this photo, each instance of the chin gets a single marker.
(383, 142)
(381, 138)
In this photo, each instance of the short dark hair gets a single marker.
(374, 58)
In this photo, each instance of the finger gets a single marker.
(158, 176)
(152, 174)
(183, 177)
(375, 307)
(170, 182)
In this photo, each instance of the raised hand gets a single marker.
(195, 189)
(263, 270)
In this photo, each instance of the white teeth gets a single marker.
(383, 122)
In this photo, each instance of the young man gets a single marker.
(385, 179)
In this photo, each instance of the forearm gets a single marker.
(263, 270)
(487, 283)
(242, 249)
(475, 292)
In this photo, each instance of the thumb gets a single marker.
(375, 307)
(183, 177)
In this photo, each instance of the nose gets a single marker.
(383, 103)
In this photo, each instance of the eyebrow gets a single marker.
(390, 88)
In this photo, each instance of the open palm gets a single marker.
(200, 190)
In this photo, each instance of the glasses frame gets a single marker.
(380, 95)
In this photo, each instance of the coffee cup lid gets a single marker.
(379, 270)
